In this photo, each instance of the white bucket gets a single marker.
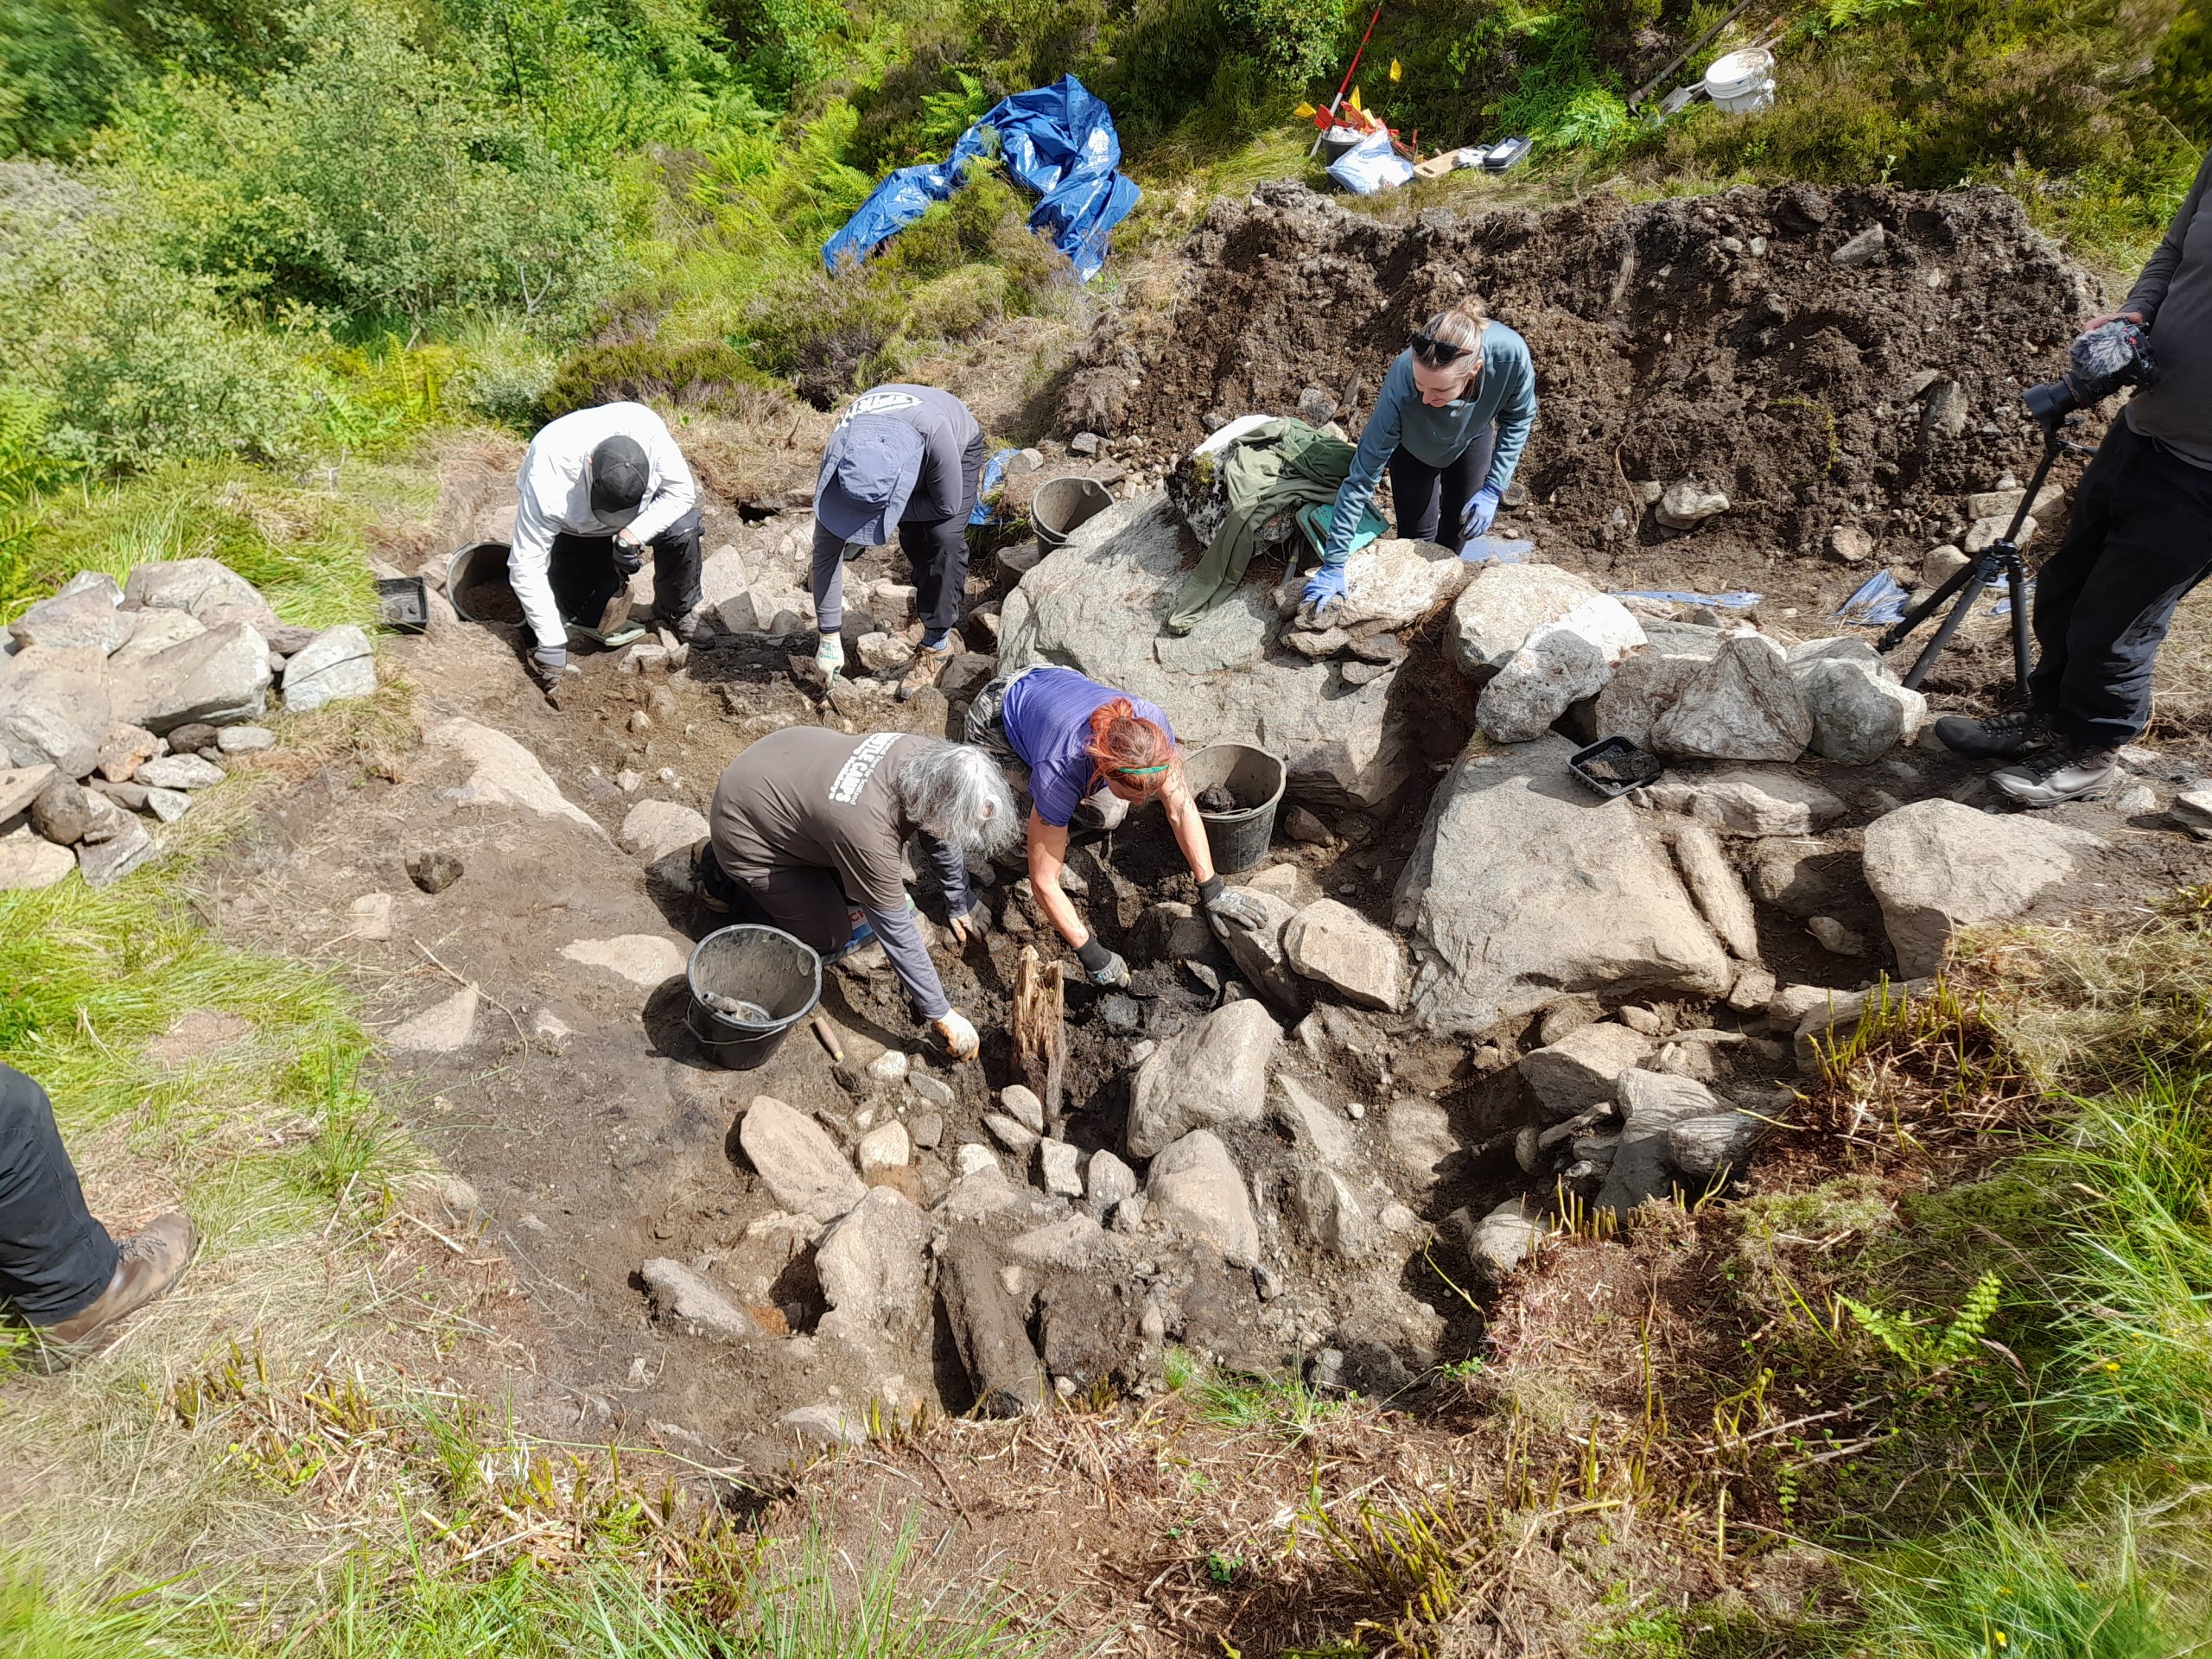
(1742, 82)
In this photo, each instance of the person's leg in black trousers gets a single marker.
(676, 574)
(581, 571)
(1415, 497)
(2141, 539)
(937, 552)
(1457, 483)
(54, 1259)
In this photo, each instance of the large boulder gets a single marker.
(1195, 1188)
(871, 1267)
(501, 773)
(334, 666)
(798, 1160)
(152, 632)
(29, 861)
(1644, 687)
(55, 709)
(215, 678)
(1258, 951)
(88, 618)
(1523, 887)
(655, 828)
(194, 586)
(1333, 943)
(1939, 866)
(1581, 1070)
(1742, 705)
(1505, 604)
(1216, 1072)
(1224, 681)
(1860, 710)
(1556, 667)
(1713, 881)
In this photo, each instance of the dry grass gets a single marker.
(2181, 681)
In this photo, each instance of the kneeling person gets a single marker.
(598, 488)
(808, 833)
(1093, 753)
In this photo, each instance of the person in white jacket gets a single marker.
(597, 488)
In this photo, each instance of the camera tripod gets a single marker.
(2000, 558)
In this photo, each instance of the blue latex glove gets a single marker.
(1482, 512)
(1324, 590)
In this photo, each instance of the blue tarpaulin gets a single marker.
(1059, 140)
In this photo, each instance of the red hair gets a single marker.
(1125, 746)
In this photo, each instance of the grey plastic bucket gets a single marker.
(1238, 839)
(764, 966)
(477, 585)
(1062, 504)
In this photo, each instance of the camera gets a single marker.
(2099, 363)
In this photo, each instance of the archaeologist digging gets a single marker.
(808, 833)
(61, 1273)
(2139, 539)
(1092, 752)
(908, 456)
(598, 488)
(1450, 423)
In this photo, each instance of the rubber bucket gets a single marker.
(477, 585)
(1742, 82)
(1339, 142)
(1238, 839)
(764, 966)
(1063, 504)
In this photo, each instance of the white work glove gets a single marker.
(960, 1039)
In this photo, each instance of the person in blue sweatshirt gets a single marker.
(1450, 424)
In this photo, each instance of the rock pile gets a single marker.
(118, 703)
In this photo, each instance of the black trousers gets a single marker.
(808, 904)
(2139, 539)
(54, 1259)
(582, 570)
(1431, 502)
(936, 550)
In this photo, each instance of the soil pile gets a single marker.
(1824, 359)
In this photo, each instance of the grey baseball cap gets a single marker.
(869, 471)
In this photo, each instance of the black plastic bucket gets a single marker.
(477, 585)
(763, 966)
(1239, 838)
(1062, 504)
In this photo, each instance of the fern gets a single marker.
(1913, 1342)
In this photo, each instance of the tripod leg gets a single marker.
(1927, 607)
(1926, 660)
(2022, 659)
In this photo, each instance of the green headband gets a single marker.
(1138, 772)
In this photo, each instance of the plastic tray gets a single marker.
(405, 601)
(1625, 755)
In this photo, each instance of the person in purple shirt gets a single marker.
(1092, 754)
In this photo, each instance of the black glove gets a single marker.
(629, 560)
(1100, 965)
(1225, 904)
(546, 665)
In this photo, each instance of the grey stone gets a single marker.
(1316, 1129)
(1651, 1104)
(888, 1145)
(1753, 991)
(1859, 712)
(1749, 801)
(1022, 1105)
(1214, 1073)
(1015, 1136)
(1941, 564)
(191, 585)
(1106, 1181)
(1303, 827)
(1938, 865)
(1085, 605)
(503, 774)
(722, 575)
(1329, 1209)
(1195, 1188)
(1499, 1241)
(934, 1089)
(884, 653)
(870, 1263)
(244, 740)
(152, 632)
(1713, 881)
(988, 1328)
(81, 620)
(20, 786)
(654, 829)
(1700, 1148)
(336, 665)
(683, 1299)
(1422, 1145)
(2192, 811)
(106, 863)
(168, 805)
(1056, 1170)
(1684, 505)
(1835, 936)
(1498, 611)
(972, 1158)
(1861, 250)
(1259, 954)
(440, 1028)
(1522, 889)
(221, 676)
(1743, 705)
(926, 1131)
(196, 738)
(130, 797)
(1335, 945)
(797, 1161)
(92, 582)
(1644, 688)
(1556, 667)
(1069, 1243)
(1129, 1214)
(55, 709)
(1983, 532)
(29, 861)
(64, 811)
(1582, 1069)
(1388, 584)
(179, 771)
(2003, 504)
(827, 1424)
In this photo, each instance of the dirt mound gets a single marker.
(1720, 339)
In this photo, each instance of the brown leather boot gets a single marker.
(152, 1262)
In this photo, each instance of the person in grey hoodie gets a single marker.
(909, 456)
(2140, 538)
(1450, 423)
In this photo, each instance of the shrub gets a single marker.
(697, 374)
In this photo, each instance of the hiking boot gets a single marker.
(2060, 774)
(152, 1262)
(2001, 737)
(691, 628)
(928, 664)
(702, 884)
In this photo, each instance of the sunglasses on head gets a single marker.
(1439, 351)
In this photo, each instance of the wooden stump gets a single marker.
(1040, 1038)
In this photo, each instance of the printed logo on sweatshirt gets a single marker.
(860, 767)
(881, 403)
